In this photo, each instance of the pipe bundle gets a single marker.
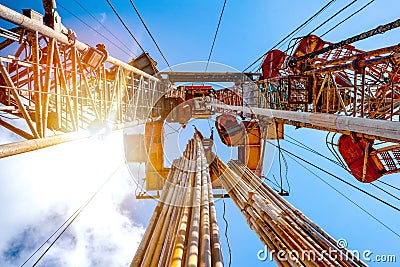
(291, 238)
(183, 230)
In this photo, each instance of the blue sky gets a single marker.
(184, 31)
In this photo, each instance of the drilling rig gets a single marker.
(52, 81)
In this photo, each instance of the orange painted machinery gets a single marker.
(231, 132)
(186, 102)
(361, 158)
(246, 135)
(342, 80)
(365, 162)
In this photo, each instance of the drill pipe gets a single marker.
(179, 215)
(239, 196)
(205, 252)
(278, 224)
(270, 213)
(183, 231)
(296, 219)
(179, 242)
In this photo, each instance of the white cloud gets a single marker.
(39, 190)
(103, 17)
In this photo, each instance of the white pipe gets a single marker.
(382, 128)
